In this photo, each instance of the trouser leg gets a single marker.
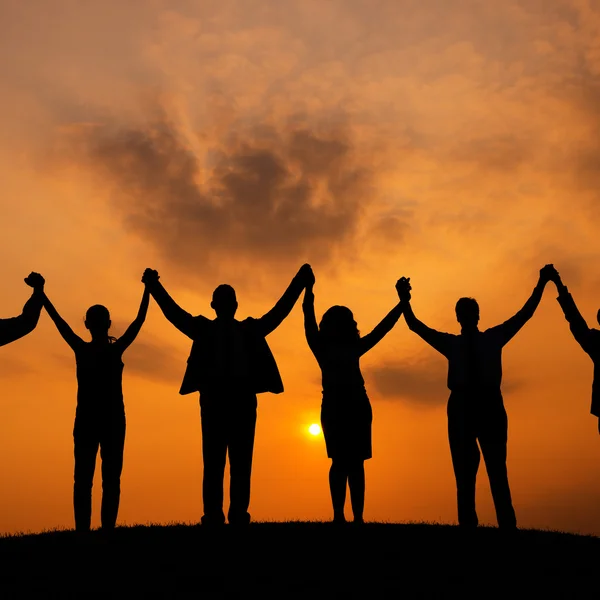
(493, 437)
(242, 427)
(214, 455)
(465, 461)
(86, 449)
(112, 445)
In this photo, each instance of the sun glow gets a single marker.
(314, 429)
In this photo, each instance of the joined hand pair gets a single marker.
(307, 275)
(403, 288)
(549, 273)
(150, 276)
(35, 280)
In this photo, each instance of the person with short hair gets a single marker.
(229, 364)
(476, 413)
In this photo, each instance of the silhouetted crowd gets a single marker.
(230, 363)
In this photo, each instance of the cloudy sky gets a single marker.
(231, 141)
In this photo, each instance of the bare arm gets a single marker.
(15, 328)
(381, 330)
(172, 311)
(311, 330)
(271, 320)
(436, 339)
(511, 327)
(131, 333)
(63, 328)
(577, 324)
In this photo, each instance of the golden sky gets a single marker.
(453, 142)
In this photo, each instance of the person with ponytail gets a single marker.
(100, 413)
(346, 414)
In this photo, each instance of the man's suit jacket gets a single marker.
(588, 339)
(201, 365)
(200, 375)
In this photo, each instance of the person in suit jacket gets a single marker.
(588, 338)
(476, 410)
(229, 364)
(15, 328)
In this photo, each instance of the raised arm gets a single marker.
(311, 328)
(510, 328)
(271, 320)
(131, 333)
(63, 328)
(15, 328)
(172, 311)
(436, 339)
(579, 328)
(384, 327)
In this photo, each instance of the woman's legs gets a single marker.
(338, 475)
(356, 481)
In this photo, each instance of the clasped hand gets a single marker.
(307, 275)
(150, 276)
(403, 288)
(35, 280)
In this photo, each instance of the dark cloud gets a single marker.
(279, 195)
(14, 367)
(153, 360)
(582, 92)
(422, 381)
(500, 154)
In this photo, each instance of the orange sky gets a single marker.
(231, 141)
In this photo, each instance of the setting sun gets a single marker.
(314, 429)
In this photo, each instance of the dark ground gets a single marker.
(300, 560)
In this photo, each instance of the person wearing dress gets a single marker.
(346, 414)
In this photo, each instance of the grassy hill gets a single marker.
(300, 560)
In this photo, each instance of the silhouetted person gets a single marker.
(476, 410)
(100, 414)
(346, 414)
(229, 364)
(588, 339)
(16, 327)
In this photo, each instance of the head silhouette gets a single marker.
(97, 320)
(467, 312)
(598, 317)
(224, 301)
(338, 326)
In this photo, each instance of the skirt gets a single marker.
(346, 420)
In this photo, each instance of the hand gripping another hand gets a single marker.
(35, 280)
(403, 288)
